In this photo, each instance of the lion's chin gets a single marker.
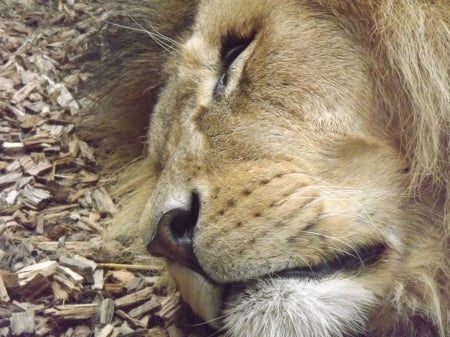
(334, 306)
(203, 296)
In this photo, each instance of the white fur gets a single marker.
(333, 307)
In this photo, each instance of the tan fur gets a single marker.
(331, 135)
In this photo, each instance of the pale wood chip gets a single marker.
(130, 319)
(170, 308)
(46, 268)
(106, 311)
(157, 332)
(23, 93)
(81, 265)
(134, 298)
(73, 311)
(6, 84)
(35, 198)
(98, 279)
(106, 331)
(145, 308)
(9, 178)
(22, 323)
(81, 331)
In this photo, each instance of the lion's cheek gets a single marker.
(203, 297)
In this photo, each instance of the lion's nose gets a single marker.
(174, 235)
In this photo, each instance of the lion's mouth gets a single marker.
(357, 261)
(360, 260)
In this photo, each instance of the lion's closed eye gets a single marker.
(232, 47)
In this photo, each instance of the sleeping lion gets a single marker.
(296, 167)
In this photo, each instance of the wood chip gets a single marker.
(4, 296)
(10, 280)
(106, 330)
(73, 311)
(173, 331)
(22, 323)
(9, 178)
(105, 205)
(134, 298)
(45, 269)
(23, 93)
(170, 308)
(81, 265)
(130, 319)
(106, 311)
(157, 332)
(34, 287)
(36, 198)
(147, 307)
(98, 279)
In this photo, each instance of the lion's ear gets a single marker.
(410, 43)
(136, 39)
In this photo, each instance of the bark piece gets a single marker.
(34, 287)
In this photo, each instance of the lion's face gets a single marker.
(280, 199)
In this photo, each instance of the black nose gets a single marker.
(174, 235)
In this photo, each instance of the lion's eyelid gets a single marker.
(232, 47)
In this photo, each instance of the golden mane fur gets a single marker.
(408, 42)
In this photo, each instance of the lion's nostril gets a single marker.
(182, 222)
(174, 235)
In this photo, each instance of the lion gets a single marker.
(295, 167)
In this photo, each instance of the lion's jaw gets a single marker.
(291, 172)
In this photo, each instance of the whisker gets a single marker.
(155, 34)
(170, 49)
